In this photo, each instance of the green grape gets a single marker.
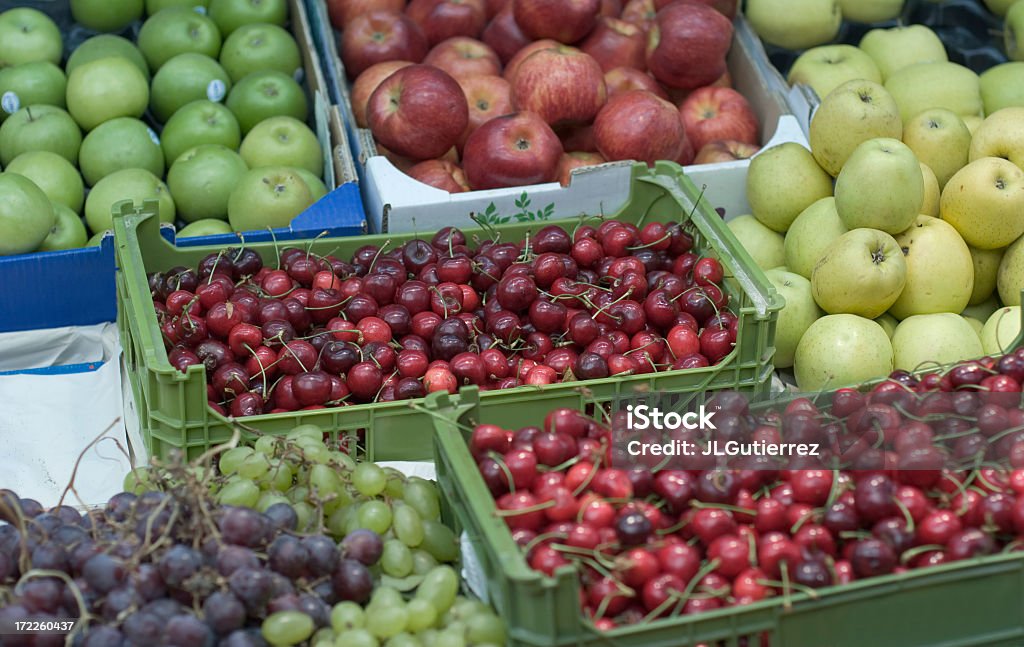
(356, 638)
(317, 453)
(422, 495)
(467, 607)
(439, 587)
(369, 479)
(422, 562)
(385, 621)
(325, 482)
(254, 466)
(408, 525)
(298, 493)
(323, 638)
(375, 516)
(428, 637)
(280, 476)
(396, 560)
(269, 498)
(339, 502)
(422, 615)
(451, 637)
(241, 493)
(138, 481)
(439, 540)
(395, 488)
(265, 445)
(287, 628)
(338, 521)
(386, 596)
(306, 515)
(403, 640)
(306, 431)
(346, 616)
(485, 628)
(232, 458)
(343, 460)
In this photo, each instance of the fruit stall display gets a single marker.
(656, 297)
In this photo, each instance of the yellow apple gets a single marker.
(999, 7)
(840, 350)
(942, 338)
(1010, 276)
(764, 245)
(982, 311)
(899, 47)
(782, 181)
(811, 234)
(1002, 86)
(1001, 330)
(1001, 135)
(826, 67)
(940, 273)
(796, 317)
(973, 122)
(794, 24)
(888, 323)
(935, 85)
(984, 201)
(862, 273)
(853, 113)
(986, 269)
(976, 324)
(869, 11)
(880, 187)
(930, 205)
(940, 139)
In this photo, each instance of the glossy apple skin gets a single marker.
(341, 12)
(464, 56)
(512, 66)
(504, 35)
(727, 8)
(639, 126)
(511, 150)
(724, 150)
(380, 36)
(440, 174)
(574, 160)
(419, 112)
(443, 19)
(623, 79)
(562, 85)
(366, 83)
(567, 21)
(487, 97)
(712, 113)
(617, 43)
(687, 45)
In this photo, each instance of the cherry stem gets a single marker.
(380, 250)
(667, 236)
(722, 506)
(500, 460)
(908, 518)
(911, 553)
(533, 543)
(544, 505)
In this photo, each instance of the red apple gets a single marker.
(725, 150)
(616, 43)
(403, 163)
(464, 56)
(718, 113)
(677, 96)
(578, 139)
(504, 35)
(419, 112)
(689, 153)
(513, 64)
(366, 83)
(727, 8)
(341, 12)
(687, 45)
(511, 150)
(495, 6)
(623, 79)
(574, 160)
(610, 8)
(487, 97)
(637, 125)
(380, 36)
(566, 21)
(440, 174)
(641, 13)
(562, 85)
(442, 19)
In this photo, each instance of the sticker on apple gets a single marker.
(10, 102)
(216, 91)
(153, 136)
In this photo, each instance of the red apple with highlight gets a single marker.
(725, 150)
(616, 43)
(443, 19)
(440, 174)
(687, 45)
(712, 113)
(504, 35)
(487, 97)
(513, 64)
(637, 125)
(464, 56)
(341, 12)
(574, 160)
(380, 36)
(366, 83)
(567, 21)
(727, 8)
(512, 150)
(623, 79)
(563, 85)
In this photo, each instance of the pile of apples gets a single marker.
(206, 95)
(481, 94)
(932, 472)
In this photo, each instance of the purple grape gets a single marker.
(187, 631)
(224, 612)
(146, 579)
(244, 638)
(42, 595)
(232, 558)
(362, 545)
(352, 581)
(179, 563)
(143, 628)
(288, 556)
(323, 555)
(103, 573)
(121, 599)
(51, 557)
(283, 516)
(103, 636)
(120, 506)
(242, 527)
(252, 586)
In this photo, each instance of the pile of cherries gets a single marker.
(394, 323)
(934, 473)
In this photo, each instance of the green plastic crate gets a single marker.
(972, 603)
(173, 408)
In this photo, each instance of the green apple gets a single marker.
(232, 14)
(899, 47)
(796, 317)
(999, 7)
(26, 215)
(31, 84)
(177, 30)
(870, 11)
(68, 231)
(257, 47)
(985, 202)
(812, 232)
(853, 113)
(1013, 32)
(155, 6)
(1001, 331)
(28, 35)
(105, 46)
(888, 323)
(976, 324)
(1001, 135)
(986, 268)
(1010, 276)
(205, 227)
(764, 245)
(315, 184)
(117, 144)
(283, 141)
(923, 341)
(134, 184)
(935, 85)
(201, 181)
(265, 197)
(940, 139)
(782, 181)
(186, 78)
(983, 310)
(841, 350)
(39, 128)
(266, 94)
(1002, 86)
(105, 89)
(932, 193)
(880, 187)
(940, 272)
(200, 122)
(56, 176)
(106, 15)
(795, 24)
(862, 272)
(826, 67)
